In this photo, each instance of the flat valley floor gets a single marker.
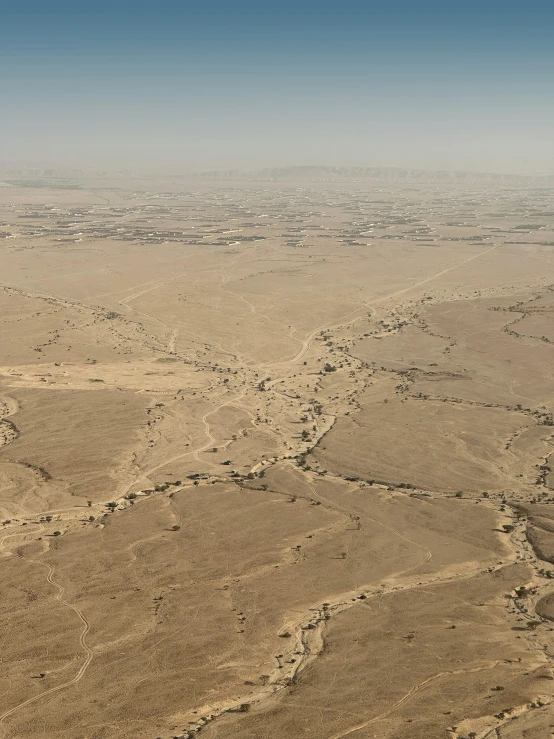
(276, 460)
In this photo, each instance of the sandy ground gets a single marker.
(276, 461)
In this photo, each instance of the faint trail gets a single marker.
(438, 274)
(17, 533)
(409, 694)
(350, 513)
(311, 336)
(171, 342)
(125, 302)
(190, 453)
(207, 425)
(82, 641)
(123, 290)
(254, 310)
(155, 286)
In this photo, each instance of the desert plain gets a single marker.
(276, 458)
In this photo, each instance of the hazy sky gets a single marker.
(172, 87)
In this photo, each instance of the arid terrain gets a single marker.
(276, 459)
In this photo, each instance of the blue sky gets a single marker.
(174, 86)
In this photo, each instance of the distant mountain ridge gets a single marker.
(385, 174)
